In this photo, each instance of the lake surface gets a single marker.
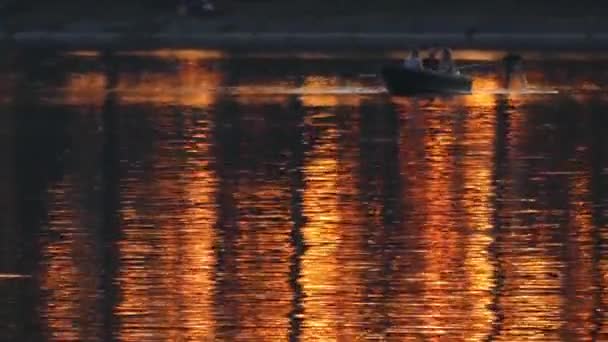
(206, 196)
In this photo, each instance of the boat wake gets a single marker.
(178, 94)
(524, 91)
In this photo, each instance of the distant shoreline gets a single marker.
(310, 24)
(304, 40)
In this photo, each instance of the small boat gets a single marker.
(402, 81)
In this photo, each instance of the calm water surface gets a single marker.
(204, 196)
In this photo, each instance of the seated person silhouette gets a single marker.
(413, 62)
(431, 62)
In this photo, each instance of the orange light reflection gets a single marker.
(477, 165)
(443, 267)
(184, 55)
(314, 87)
(578, 285)
(71, 310)
(85, 89)
(320, 271)
(168, 237)
(191, 85)
(531, 297)
(264, 248)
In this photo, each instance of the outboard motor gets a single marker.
(513, 66)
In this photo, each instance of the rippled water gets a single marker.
(202, 195)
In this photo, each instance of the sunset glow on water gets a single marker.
(202, 196)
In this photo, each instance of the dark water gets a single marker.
(199, 196)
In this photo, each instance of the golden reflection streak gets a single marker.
(579, 304)
(333, 265)
(530, 298)
(410, 322)
(478, 162)
(442, 273)
(320, 271)
(85, 89)
(531, 302)
(264, 298)
(481, 96)
(457, 276)
(166, 251)
(149, 256)
(192, 85)
(433, 294)
(196, 283)
(71, 270)
(70, 309)
(182, 55)
(83, 53)
(352, 258)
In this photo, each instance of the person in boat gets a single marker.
(413, 62)
(446, 64)
(431, 62)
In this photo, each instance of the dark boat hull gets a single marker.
(401, 81)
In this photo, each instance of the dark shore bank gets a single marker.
(339, 25)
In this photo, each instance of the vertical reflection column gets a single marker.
(195, 273)
(333, 260)
(259, 221)
(70, 272)
(168, 210)
(502, 146)
(110, 198)
(320, 271)
(478, 157)
(351, 256)
(578, 282)
(530, 299)
(72, 245)
(319, 267)
(41, 136)
(380, 236)
(263, 210)
(262, 270)
(296, 184)
(227, 135)
(445, 270)
(168, 214)
(152, 215)
(443, 274)
(410, 320)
